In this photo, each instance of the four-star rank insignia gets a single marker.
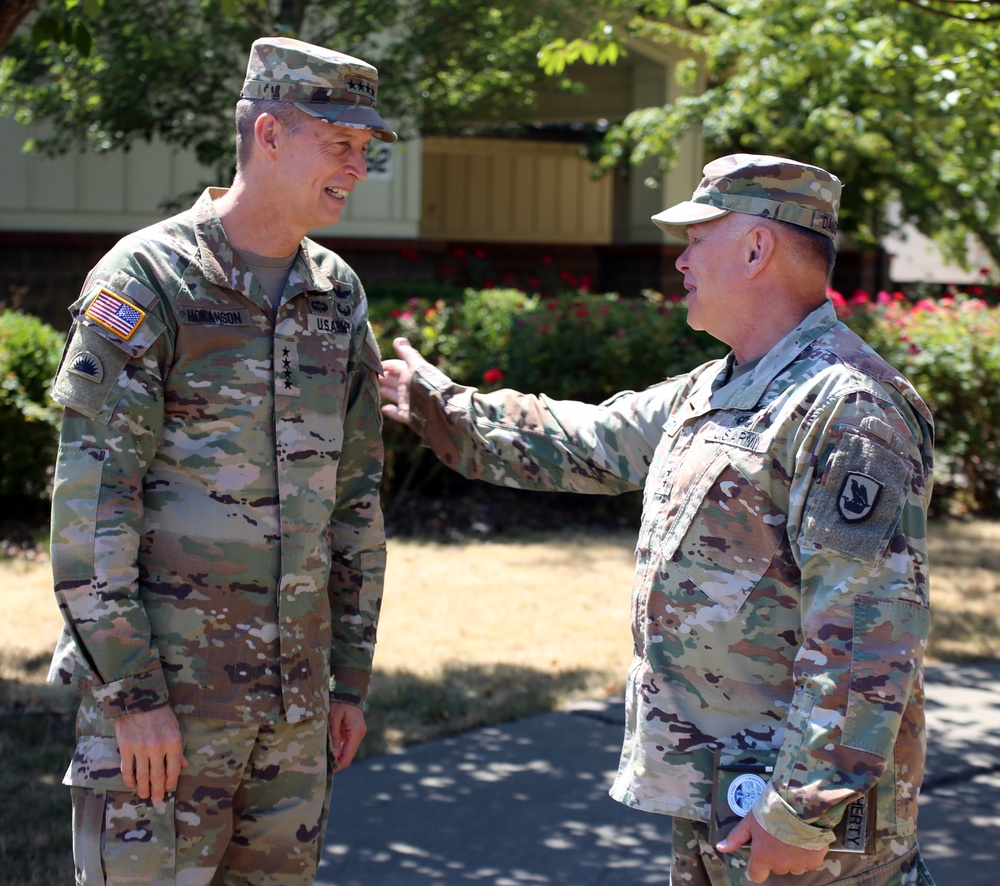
(87, 365)
(858, 497)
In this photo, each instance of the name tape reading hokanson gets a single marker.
(114, 313)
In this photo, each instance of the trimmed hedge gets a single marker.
(949, 348)
(585, 347)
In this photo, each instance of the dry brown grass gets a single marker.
(556, 604)
(965, 590)
(470, 634)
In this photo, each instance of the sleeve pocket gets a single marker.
(75, 495)
(885, 657)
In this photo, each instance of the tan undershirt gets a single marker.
(271, 273)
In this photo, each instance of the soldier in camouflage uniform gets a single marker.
(780, 604)
(217, 541)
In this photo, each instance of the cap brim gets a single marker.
(675, 219)
(354, 116)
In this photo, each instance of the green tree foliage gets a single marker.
(172, 69)
(900, 97)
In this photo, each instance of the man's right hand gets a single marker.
(394, 383)
(152, 752)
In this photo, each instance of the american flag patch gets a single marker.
(114, 313)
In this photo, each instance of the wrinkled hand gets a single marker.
(394, 383)
(152, 752)
(768, 855)
(347, 728)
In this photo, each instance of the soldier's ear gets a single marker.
(267, 131)
(758, 249)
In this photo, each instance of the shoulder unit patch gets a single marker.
(858, 496)
(87, 365)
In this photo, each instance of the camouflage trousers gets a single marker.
(696, 863)
(250, 808)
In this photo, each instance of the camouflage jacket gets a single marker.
(780, 603)
(217, 539)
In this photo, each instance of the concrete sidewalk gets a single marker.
(527, 803)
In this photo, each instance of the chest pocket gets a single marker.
(727, 535)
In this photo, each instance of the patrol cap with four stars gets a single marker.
(335, 87)
(758, 184)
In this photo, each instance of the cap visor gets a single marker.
(675, 219)
(355, 116)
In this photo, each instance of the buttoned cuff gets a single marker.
(777, 818)
(350, 686)
(132, 695)
(426, 382)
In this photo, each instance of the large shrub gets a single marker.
(950, 349)
(573, 346)
(29, 421)
(587, 347)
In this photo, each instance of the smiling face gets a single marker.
(320, 165)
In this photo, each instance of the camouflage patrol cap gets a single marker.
(327, 84)
(756, 184)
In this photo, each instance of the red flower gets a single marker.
(492, 376)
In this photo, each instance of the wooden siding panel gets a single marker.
(513, 191)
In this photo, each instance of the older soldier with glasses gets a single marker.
(217, 542)
(780, 606)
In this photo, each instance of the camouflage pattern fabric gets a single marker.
(321, 81)
(217, 539)
(781, 588)
(199, 832)
(696, 863)
(755, 184)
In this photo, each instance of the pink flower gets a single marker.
(492, 376)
